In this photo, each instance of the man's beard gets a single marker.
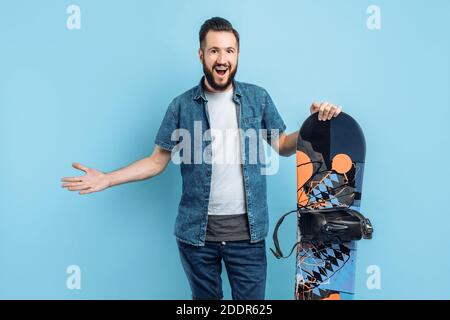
(210, 77)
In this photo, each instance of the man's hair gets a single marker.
(216, 24)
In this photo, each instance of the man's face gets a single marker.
(219, 58)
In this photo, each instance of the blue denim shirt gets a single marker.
(255, 110)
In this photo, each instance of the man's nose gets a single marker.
(221, 59)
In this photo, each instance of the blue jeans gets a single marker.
(245, 262)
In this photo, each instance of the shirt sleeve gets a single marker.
(272, 120)
(167, 136)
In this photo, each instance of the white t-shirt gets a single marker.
(227, 183)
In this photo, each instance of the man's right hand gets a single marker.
(95, 180)
(92, 181)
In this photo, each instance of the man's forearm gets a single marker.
(139, 170)
(288, 144)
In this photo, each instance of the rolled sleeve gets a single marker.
(272, 120)
(167, 137)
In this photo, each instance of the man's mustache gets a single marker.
(222, 65)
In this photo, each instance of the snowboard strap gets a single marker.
(277, 252)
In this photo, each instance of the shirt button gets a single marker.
(224, 243)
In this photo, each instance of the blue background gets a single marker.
(97, 96)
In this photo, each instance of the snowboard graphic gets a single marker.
(330, 165)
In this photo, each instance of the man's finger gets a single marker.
(330, 116)
(326, 111)
(79, 166)
(71, 179)
(90, 190)
(315, 106)
(321, 109)
(71, 184)
(82, 187)
(332, 112)
(338, 111)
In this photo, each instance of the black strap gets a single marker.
(277, 252)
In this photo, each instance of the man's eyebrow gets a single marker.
(219, 48)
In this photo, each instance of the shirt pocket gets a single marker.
(252, 121)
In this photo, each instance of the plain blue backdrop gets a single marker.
(97, 96)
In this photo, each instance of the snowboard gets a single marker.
(330, 166)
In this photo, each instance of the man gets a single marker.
(223, 209)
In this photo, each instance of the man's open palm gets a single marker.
(92, 181)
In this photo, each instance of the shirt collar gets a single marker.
(200, 90)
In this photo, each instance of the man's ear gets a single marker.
(200, 55)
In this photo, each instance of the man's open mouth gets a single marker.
(221, 71)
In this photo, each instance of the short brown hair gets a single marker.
(216, 24)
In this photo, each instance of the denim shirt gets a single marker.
(188, 113)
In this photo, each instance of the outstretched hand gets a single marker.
(92, 181)
(326, 110)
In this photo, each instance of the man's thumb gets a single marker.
(315, 107)
(79, 166)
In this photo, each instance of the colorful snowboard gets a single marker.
(330, 166)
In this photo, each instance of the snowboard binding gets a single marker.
(330, 225)
(335, 225)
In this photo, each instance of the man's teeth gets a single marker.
(221, 68)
